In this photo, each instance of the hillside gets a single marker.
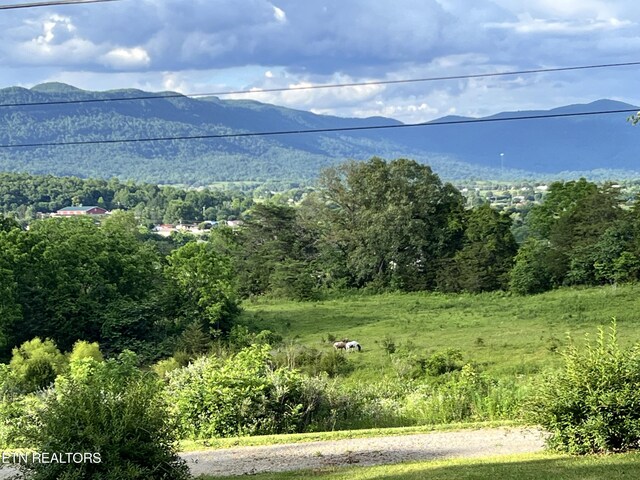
(531, 147)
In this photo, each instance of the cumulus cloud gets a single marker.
(126, 58)
(216, 45)
(56, 29)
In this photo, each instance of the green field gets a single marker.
(515, 467)
(504, 334)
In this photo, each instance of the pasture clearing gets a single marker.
(504, 334)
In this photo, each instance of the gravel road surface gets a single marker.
(361, 451)
(366, 451)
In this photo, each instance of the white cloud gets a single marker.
(55, 29)
(126, 58)
(73, 52)
(569, 9)
(223, 45)
(279, 15)
(527, 24)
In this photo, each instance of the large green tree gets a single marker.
(484, 262)
(201, 280)
(77, 280)
(573, 218)
(277, 249)
(390, 222)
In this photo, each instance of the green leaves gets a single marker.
(203, 277)
(391, 221)
(239, 395)
(591, 405)
(484, 262)
(115, 410)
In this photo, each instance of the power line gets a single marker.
(324, 86)
(14, 6)
(322, 130)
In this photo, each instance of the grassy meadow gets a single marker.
(503, 334)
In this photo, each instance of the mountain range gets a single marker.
(596, 145)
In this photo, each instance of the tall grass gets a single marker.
(464, 396)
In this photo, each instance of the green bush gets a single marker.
(36, 364)
(163, 367)
(312, 361)
(240, 337)
(294, 280)
(112, 409)
(238, 395)
(531, 273)
(591, 404)
(443, 362)
(343, 405)
(18, 414)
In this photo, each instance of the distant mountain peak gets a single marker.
(462, 149)
(55, 87)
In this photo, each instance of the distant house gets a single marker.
(90, 210)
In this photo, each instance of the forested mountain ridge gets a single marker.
(530, 147)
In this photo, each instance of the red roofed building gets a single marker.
(92, 210)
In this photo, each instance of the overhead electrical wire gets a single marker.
(14, 6)
(325, 86)
(321, 130)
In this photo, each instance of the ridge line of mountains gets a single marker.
(596, 146)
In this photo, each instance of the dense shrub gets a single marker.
(113, 409)
(35, 364)
(239, 395)
(531, 273)
(17, 411)
(83, 349)
(240, 337)
(295, 280)
(312, 361)
(443, 362)
(591, 405)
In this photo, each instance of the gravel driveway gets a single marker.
(366, 451)
(361, 451)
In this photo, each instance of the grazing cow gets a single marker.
(340, 345)
(352, 346)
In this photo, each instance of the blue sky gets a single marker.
(193, 46)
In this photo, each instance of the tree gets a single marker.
(531, 273)
(75, 281)
(276, 252)
(560, 200)
(391, 222)
(10, 311)
(202, 278)
(488, 250)
(573, 218)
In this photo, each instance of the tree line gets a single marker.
(25, 196)
(375, 225)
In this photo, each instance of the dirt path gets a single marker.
(366, 451)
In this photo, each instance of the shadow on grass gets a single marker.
(521, 467)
